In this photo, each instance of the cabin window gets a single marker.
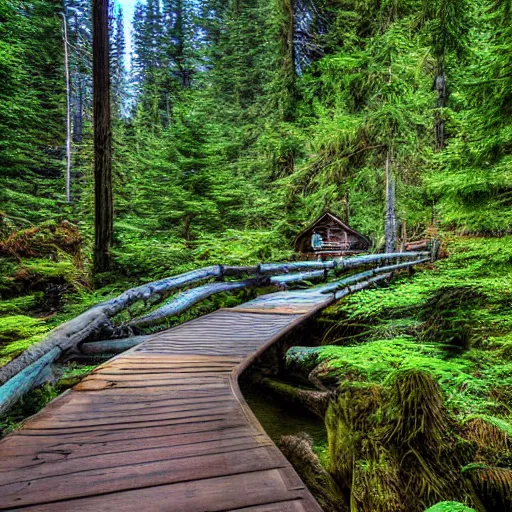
(316, 241)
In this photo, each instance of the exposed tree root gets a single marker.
(298, 450)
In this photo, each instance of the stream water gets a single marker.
(279, 418)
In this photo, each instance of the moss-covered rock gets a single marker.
(45, 240)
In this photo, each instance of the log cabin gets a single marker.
(329, 236)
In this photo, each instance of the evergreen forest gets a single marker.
(235, 124)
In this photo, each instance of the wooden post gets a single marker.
(104, 211)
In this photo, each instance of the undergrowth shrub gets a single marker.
(448, 315)
(44, 241)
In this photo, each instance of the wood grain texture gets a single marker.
(163, 426)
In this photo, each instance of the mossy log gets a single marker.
(298, 450)
(315, 401)
(491, 487)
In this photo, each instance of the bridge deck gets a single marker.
(163, 427)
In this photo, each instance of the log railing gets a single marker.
(21, 374)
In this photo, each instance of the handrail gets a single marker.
(69, 335)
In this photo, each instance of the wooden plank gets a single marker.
(135, 476)
(62, 465)
(69, 424)
(296, 505)
(212, 495)
(108, 436)
(25, 454)
(273, 311)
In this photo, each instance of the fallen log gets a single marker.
(418, 245)
(315, 401)
(92, 348)
(298, 450)
(73, 332)
(188, 298)
(25, 380)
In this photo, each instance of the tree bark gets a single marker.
(442, 101)
(104, 211)
(298, 450)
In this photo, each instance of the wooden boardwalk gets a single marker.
(163, 426)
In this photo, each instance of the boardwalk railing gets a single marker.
(26, 371)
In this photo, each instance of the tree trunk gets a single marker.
(78, 113)
(104, 211)
(390, 220)
(442, 101)
(68, 108)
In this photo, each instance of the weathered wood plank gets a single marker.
(213, 495)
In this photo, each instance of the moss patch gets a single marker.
(450, 506)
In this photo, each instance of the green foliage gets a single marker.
(31, 108)
(422, 377)
(449, 506)
(453, 321)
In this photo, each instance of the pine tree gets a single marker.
(32, 110)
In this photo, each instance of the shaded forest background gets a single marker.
(239, 121)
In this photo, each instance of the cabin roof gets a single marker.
(327, 215)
